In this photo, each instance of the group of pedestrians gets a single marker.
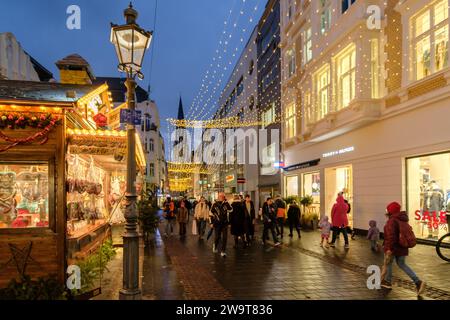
(240, 217)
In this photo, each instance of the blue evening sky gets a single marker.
(186, 38)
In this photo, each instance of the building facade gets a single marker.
(239, 100)
(363, 108)
(269, 97)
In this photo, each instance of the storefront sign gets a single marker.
(229, 178)
(241, 181)
(131, 117)
(303, 165)
(338, 152)
(434, 220)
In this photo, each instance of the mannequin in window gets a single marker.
(433, 203)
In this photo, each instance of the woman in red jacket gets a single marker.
(339, 220)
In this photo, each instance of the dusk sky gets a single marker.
(185, 41)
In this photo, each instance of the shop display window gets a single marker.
(24, 195)
(311, 187)
(292, 186)
(428, 195)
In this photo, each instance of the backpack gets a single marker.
(406, 236)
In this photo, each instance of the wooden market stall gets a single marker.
(60, 176)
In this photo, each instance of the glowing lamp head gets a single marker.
(130, 42)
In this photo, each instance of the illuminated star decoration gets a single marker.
(20, 257)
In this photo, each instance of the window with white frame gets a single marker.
(346, 73)
(291, 127)
(151, 170)
(375, 68)
(325, 15)
(307, 46)
(430, 40)
(152, 145)
(291, 63)
(307, 107)
(268, 116)
(323, 92)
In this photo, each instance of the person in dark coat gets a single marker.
(250, 219)
(294, 215)
(220, 219)
(269, 218)
(237, 220)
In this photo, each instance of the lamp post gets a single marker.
(130, 42)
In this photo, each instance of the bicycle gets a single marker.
(443, 247)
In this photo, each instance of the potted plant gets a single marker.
(148, 218)
(307, 216)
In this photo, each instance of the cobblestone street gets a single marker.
(299, 270)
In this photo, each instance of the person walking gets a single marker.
(398, 238)
(182, 217)
(373, 235)
(237, 220)
(325, 229)
(339, 220)
(294, 217)
(220, 220)
(169, 215)
(280, 206)
(201, 217)
(249, 220)
(269, 217)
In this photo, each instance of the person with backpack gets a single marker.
(269, 216)
(398, 239)
(294, 217)
(169, 215)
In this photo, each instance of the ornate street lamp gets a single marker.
(130, 42)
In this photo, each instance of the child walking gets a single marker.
(373, 236)
(325, 226)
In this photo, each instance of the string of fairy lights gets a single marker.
(204, 110)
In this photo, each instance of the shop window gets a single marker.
(430, 40)
(346, 74)
(24, 195)
(323, 92)
(292, 186)
(325, 15)
(307, 46)
(311, 186)
(291, 127)
(428, 195)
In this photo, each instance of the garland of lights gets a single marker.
(229, 122)
(20, 121)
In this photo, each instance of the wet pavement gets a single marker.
(298, 270)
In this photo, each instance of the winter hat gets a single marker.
(393, 208)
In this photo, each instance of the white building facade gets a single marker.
(365, 108)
